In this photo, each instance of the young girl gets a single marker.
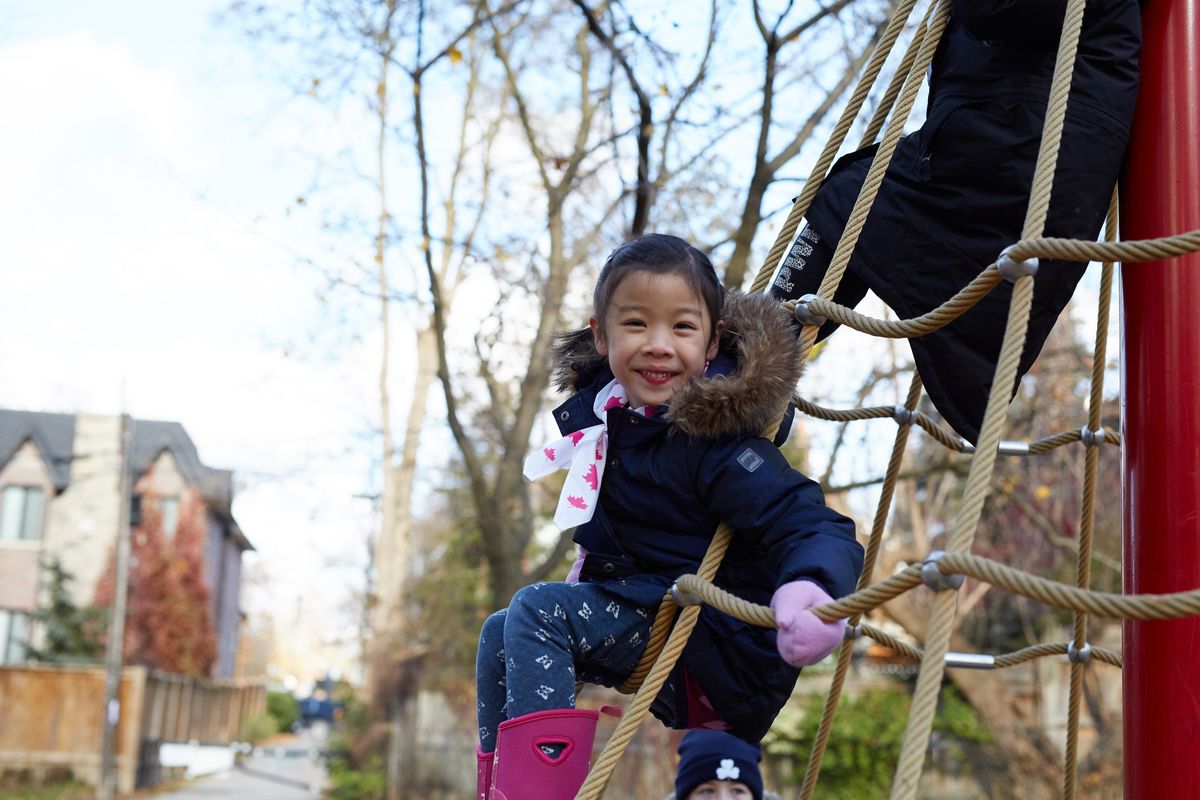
(673, 386)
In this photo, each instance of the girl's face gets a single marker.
(655, 335)
(720, 790)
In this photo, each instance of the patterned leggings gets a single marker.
(529, 653)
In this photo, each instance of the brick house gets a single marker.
(60, 498)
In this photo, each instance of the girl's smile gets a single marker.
(655, 336)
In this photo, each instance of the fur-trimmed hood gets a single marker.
(748, 385)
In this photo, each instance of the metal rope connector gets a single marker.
(934, 578)
(1011, 269)
(853, 632)
(1091, 438)
(1008, 448)
(804, 314)
(903, 415)
(682, 598)
(970, 660)
(1079, 655)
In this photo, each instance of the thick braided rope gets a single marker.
(1083, 567)
(755, 614)
(1135, 250)
(842, 415)
(1042, 650)
(600, 773)
(935, 20)
(1111, 605)
(1042, 446)
(1061, 595)
(861, 601)
(1041, 247)
(659, 631)
(886, 639)
(947, 438)
(920, 720)
(888, 101)
(938, 318)
(836, 137)
(999, 662)
(813, 769)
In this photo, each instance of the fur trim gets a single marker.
(759, 334)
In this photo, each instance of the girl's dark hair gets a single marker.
(660, 254)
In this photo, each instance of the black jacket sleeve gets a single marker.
(749, 484)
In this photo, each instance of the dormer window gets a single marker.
(21, 513)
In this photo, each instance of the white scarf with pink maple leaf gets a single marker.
(582, 454)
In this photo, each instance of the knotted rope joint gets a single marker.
(933, 577)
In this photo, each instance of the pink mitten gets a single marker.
(803, 638)
(573, 573)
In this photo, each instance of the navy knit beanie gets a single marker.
(716, 756)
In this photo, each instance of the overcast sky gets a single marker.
(149, 266)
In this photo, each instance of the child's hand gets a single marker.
(803, 638)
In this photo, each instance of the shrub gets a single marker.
(260, 726)
(284, 708)
(864, 747)
(366, 781)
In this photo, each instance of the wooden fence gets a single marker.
(51, 719)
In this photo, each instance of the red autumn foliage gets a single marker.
(168, 624)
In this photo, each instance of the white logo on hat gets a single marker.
(727, 771)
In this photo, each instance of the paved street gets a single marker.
(290, 771)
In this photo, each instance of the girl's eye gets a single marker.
(687, 326)
(633, 323)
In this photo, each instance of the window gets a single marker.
(21, 512)
(14, 636)
(169, 506)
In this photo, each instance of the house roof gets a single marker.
(54, 436)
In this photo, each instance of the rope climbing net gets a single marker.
(942, 571)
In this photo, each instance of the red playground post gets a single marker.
(1160, 383)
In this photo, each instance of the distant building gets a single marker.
(60, 498)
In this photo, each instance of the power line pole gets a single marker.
(116, 628)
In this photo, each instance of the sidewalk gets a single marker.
(289, 768)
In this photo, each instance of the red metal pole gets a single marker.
(1160, 382)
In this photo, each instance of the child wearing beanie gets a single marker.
(714, 765)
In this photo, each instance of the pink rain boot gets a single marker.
(545, 754)
(483, 772)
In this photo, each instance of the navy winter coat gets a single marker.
(957, 189)
(670, 479)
